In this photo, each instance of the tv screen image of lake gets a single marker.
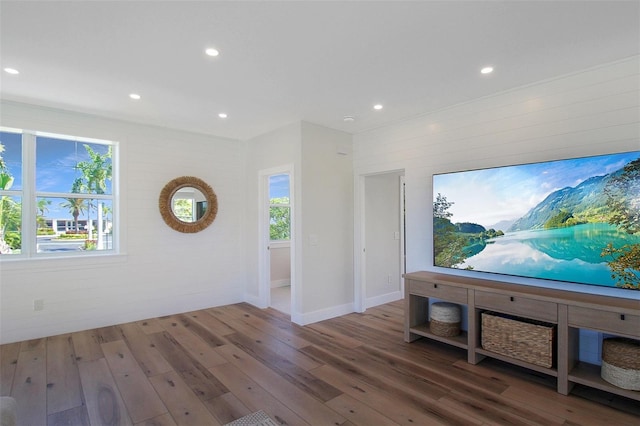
(552, 220)
(563, 254)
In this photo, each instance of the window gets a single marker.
(188, 204)
(57, 194)
(279, 208)
(10, 191)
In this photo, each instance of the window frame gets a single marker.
(29, 197)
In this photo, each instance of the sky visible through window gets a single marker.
(56, 161)
(278, 186)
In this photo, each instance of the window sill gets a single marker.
(44, 263)
(279, 244)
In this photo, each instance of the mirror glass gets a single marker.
(188, 204)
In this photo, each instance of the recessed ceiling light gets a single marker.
(486, 70)
(222, 115)
(11, 71)
(134, 96)
(349, 118)
(377, 106)
(212, 52)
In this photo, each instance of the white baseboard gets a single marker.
(255, 301)
(322, 314)
(280, 283)
(382, 299)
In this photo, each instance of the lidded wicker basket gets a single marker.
(621, 362)
(445, 319)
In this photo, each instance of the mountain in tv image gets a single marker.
(588, 233)
(586, 201)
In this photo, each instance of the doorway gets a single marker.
(382, 233)
(276, 234)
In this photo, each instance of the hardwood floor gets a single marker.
(213, 366)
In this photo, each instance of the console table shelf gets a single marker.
(589, 375)
(568, 311)
(548, 371)
(459, 341)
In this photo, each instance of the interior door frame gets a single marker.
(264, 255)
(360, 255)
(403, 232)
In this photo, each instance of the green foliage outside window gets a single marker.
(183, 209)
(13, 240)
(76, 206)
(95, 174)
(42, 209)
(280, 219)
(10, 213)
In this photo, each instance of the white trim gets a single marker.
(254, 300)
(322, 314)
(359, 251)
(28, 195)
(359, 238)
(52, 328)
(280, 244)
(57, 263)
(280, 283)
(29, 249)
(382, 299)
(71, 138)
(402, 236)
(264, 255)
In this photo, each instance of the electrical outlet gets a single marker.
(38, 304)
(389, 279)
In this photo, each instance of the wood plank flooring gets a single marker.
(213, 366)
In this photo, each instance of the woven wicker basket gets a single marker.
(523, 339)
(621, 362)
(445, 319)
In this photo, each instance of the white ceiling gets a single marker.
(282, 62)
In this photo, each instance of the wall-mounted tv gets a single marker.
(574, 220)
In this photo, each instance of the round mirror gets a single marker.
(188, 204)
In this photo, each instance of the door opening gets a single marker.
(277, 248)
(382, 223)
(280, 242)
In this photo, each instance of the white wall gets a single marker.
(280, 256)
(325, 198)
(160, 270)
(322, 211)
(592, 112)
(278, 148)
(382, 238)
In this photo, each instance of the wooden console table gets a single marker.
(569, 311)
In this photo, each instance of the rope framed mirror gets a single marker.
(188, 204)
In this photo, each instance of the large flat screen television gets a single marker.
(575, 220)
